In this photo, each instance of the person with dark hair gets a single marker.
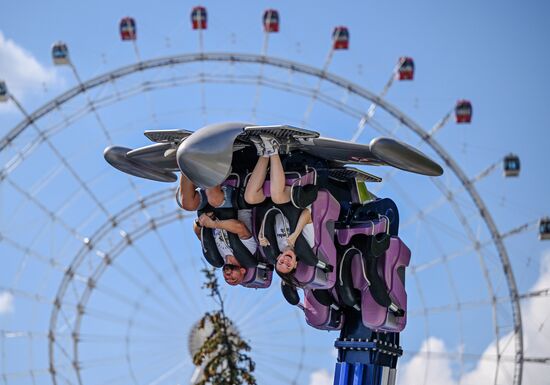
(190, 198)
(287, 260)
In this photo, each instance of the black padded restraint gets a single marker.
(323, 297)
(290, 293)
(240, 252)
(303, 251)
(373, 210)
(303, 196)
(344, 283)
(209, 248)
(376, 245)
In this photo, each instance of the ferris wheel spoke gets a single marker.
(168, 373)
(38, 298)
(63, 377)
(440, 224)
(176, 269)
(274, 333)
(115, 360)
(365, 118)
(145, 292)
(313, 99)
(63, 160)
(156, 364)
(91, 104)
(133, 303)
(249, 316)
(169, 289)
(440, 124)
(260, 76)
(51, 214)
(116, 339)
(119, 319)
(473, 239)
(246, 318)
(26, 250)
(136, 282)
(92, 108)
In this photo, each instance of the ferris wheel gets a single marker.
(105, 276)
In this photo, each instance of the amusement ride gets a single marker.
(122, 292)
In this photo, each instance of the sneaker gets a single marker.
(259, 144)
(271, 145)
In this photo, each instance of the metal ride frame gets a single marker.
(350, 87)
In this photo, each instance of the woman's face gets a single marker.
(233, 273)
(286, 261)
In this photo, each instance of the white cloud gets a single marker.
(20, 70)
(321, 377)
(429, 367)
(6, 302)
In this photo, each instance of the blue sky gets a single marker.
(493, 54)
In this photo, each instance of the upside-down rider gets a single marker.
(208, 203)
(292, 245)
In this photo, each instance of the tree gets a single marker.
(223, 353)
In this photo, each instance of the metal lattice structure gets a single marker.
(116, 225)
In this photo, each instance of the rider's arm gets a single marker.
(197, 229)
(232, 225)
(303, 220)
(190, 198)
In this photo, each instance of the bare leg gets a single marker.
(254, 192)
(279, 192)
(215, 196)
(190, 199)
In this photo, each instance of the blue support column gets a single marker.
(365, 357)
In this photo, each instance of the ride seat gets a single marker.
(258, 277)
(321, 310)
(391, 268)
(324, 213)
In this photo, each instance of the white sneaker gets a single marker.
(271, 145)
(259, 144)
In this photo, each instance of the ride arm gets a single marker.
(190, 198)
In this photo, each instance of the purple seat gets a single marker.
(324, 213)
(258, 277)
(320, 316)
(391, 267)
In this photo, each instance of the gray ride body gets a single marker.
(206, 156)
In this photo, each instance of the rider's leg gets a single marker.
(254, 192)
(215, 196)
(280, 193)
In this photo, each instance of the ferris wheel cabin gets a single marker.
(60, 53)
(128, 29)
(463, 111)
(3, 91)
(271, 20)
(340, 38)
(199, 18)
(406, 68)
(511, 165)
(544, 228)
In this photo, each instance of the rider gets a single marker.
(217, 197)
(268, 149)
